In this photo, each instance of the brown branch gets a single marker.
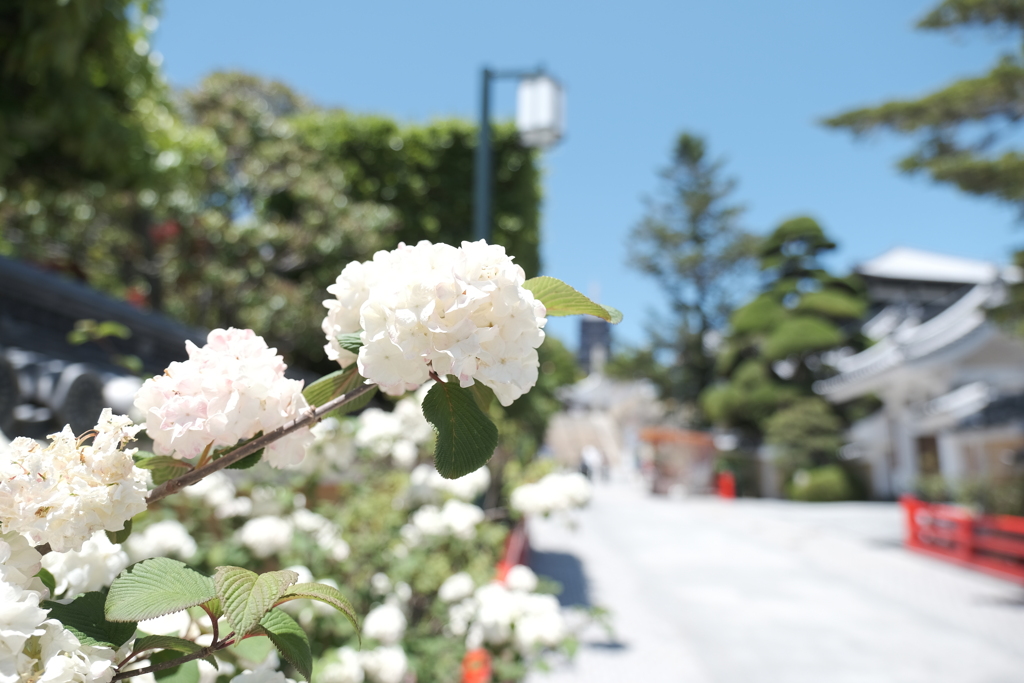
(198, 654)
(249, 447)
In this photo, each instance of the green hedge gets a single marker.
(425, 172)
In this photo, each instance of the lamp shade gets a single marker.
(540, 111)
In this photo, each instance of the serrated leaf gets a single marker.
(351, 342)
(334, 385)
(560, 299)
(187, 672)
(84, 617)
(163, 467)
(248, 461)
(483, 394)
(122, 535)
(166, 643)
(326, 594)
(214, 607)
(153, 588)
(466, 437)
(289, 639)
(47, 578)
(246, 596)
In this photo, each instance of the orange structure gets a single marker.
(993, 544)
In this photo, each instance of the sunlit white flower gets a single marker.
(521, 578)
(555, 492)
(425, 483)
(386, 664)
(433, 307)
(167, 538)
(19, 562)
(456, 587)
(261, 675)
(385, 623)
(228, 390)
(89, 569)
(266, 536)
(346, 669)
(62, 493)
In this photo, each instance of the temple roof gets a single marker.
(904, 263)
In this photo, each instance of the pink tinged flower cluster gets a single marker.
(228, 390)
(433, 307)
(62, 493)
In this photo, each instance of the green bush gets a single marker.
(821, 484)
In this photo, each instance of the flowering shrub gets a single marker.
(407, 550)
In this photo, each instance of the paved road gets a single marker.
(755, 591)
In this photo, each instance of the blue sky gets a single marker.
(754, 77)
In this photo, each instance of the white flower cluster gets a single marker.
(499, 613)
(332, 449)
(93, 567)
(555, 492)
(32, 646)
(385, 623)
(426, 484)
(167, 538)
(454, 519)
(385, 664)
(324, 531)
(62, 493)
(399, 433)
(218, 492)
(266, 535)
(456, 311)
(269, 534)
(228, 390)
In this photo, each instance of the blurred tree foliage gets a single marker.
(72, 76)
(425, 173)
(806, 434)
(690, 242)
(964, 125)
(259, 204)
(773, 353)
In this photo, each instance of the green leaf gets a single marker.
(334, 385)
(247, 596)
(84, 617)
(163, 467)
(171, 643)
(350, 342)
(248, 461)
(166, 643)
(483, 394)
(183, 673)
(466, 437)
(326, 594)
(121, 535)
(561, 299)
(153, 588)
(47, 578)
(290, 640)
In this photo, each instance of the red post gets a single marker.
(726, 485)
(476, 666)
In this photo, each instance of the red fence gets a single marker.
(476, 665)
(989, 543)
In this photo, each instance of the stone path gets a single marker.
(758, 591)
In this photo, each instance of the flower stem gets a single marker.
(249, 447)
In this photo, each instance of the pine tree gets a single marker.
(691, 243)
(965, 128)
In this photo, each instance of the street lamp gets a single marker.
(540, 120)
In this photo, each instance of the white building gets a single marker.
(947, 377)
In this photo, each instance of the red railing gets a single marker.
(476, 665)
(989, 543)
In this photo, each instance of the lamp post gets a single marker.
(540, 120)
